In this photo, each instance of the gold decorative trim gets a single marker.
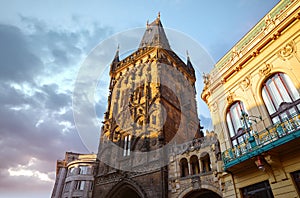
(287, 51)
(230, 98)
(245, 82)
(265, 71)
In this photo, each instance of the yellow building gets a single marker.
(253, 96)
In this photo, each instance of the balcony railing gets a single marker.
(259, 142)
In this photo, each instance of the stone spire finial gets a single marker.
(187, 55)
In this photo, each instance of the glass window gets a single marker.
(72, 171)
(79, 185)
(280, 96)
(127, 144)
(234, 123)
(261, 189)
(83, 170)
(296, 178)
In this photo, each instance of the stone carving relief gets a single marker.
(230, 98)
(213, 107)
(235, 55)
(270, 23)
(245, 83)
(287, 51)
(206, 80)
(265, 71)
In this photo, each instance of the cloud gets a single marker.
(39, 64)
(16, 60)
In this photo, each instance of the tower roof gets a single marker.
(155, 35)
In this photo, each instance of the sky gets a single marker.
(43, 45)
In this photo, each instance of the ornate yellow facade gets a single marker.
(253, 97)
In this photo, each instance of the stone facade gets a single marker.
(194, 168)
(151, 105)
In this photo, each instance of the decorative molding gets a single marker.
(206, 80)
(245, 83)
(265, 71)
(287, 51)
(214, 107)
(230, 98)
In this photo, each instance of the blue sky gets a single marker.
(42, 46)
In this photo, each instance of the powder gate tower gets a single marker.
(151, 108)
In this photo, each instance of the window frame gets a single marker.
(239, 133)
(282, 110)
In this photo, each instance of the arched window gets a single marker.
(205, 162)
(234, 123)
(194, 164)
(280, 97)
(184, 169)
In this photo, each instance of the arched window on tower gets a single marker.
(195, 165)
(184, 168)
(234, 123)
(205, 162)
(281, 98)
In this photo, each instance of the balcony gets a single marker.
(260, 142)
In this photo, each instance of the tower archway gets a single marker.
(126, 189)
(201, 193)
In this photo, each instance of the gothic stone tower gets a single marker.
(151, 106)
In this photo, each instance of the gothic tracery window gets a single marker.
(280, 96)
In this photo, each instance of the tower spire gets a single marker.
(155, 35)
(188, 61)
(115, 61)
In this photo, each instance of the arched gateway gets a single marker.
(203, 193)
(126, 189)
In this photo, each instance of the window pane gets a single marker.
(276, 98)
(235, 111)
(83, 169)
(275, 119)
(296, 178)
(268, 102)
(234, 143)
(281, 88)
(82, 184)
(292, 111)
(125, 146)
(128, 147)
(261, 189)
(291, 87)
(229, 124)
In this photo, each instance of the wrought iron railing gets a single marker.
(258, 142)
